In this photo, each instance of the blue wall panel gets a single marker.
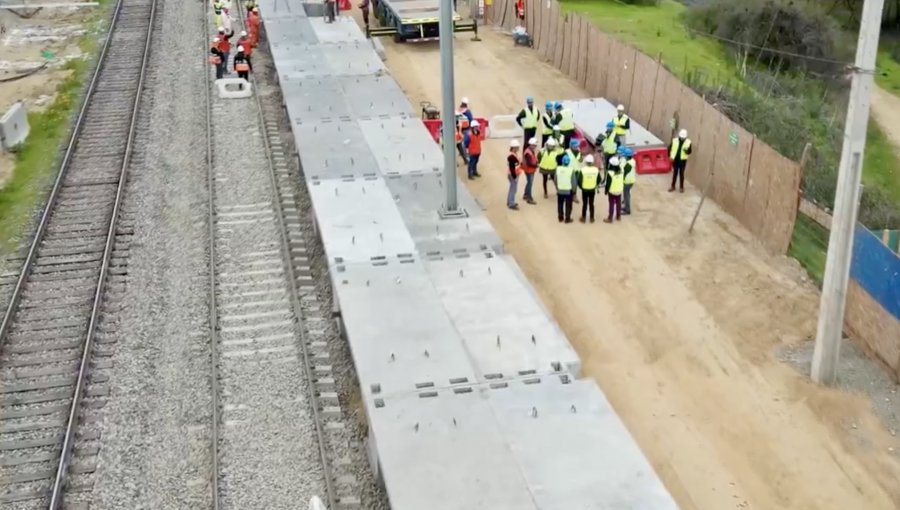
(877, 269)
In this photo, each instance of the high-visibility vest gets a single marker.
(564, 178)
(525, 166)
(616, 183)
(673, 150)
(589, 177)
(620, 124)
(548, 123)
(629, 172)
(217, 7)
(547, 159)
(609, 144)
(574, 160)
(567, 120)
(532, 117)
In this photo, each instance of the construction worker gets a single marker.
(217, 58)
(679, 152)
(514, 168)
(547, 162)
(244, 41)
(249, 5)
(530, 166)
(218, 5)
(364, 8)
(575, 157)
(614, 188)
(225, 48)
(629, 178)
(606, 141)
(472, 143)
(462, 126)
(565, 188)
(528, 119)
(464, 109)
(566, 123)
(253, 21)
(226, 21)
(241, 67)
(330, 11)
(622, 124)
(588, 179)
(548, 120)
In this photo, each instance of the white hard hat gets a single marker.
(464, 100)
(514, 143)
(589, 158)
(556, 128)
(621, 108)
(614, 161)
(215, 39)
(551, 141)
(243, 33)
(532, 141)
(475, 123)
(240, 48)
(221, 29)
(682, 133)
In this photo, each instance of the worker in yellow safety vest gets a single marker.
(629, 178)
(548, 120)
(575, 157)
(607, 143)
(622, 124)
(566, 123)
(547, 162)
(528, 119)
(462, 127)
(218, 5)
(615, 185)
(565, 188)
(679, 152)
(588, 179)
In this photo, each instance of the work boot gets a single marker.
(582, 220)
(568, 220)
(592, 219)
(672, 189)
(530, 201)
(682, 190)
(607, 220)
(514, 207)
(560, 219)
(545, 195)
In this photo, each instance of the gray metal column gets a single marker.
(448, 105)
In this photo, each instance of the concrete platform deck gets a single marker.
(592, 115)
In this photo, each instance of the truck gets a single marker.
(413, 20)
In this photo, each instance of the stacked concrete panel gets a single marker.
(469, 386)
(592, 115)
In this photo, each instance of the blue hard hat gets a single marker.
(629, 152)
(529, 99)
(621, 150)
(558, 105)
(565, 159)
(548, 105)
(610, 125)
(574, 144)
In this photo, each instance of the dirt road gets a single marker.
(679, 331)
(886, 111)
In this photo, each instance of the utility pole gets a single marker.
(846, 201)
(451, 207)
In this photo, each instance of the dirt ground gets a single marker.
(681, 331)
(886, 111)
(21, 45)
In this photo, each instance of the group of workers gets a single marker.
(220, 49)
(561, 159)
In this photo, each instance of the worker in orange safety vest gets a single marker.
(244, 41)
(253, 22)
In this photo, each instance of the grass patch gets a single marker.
(657, 29)
(36, 160)
(888, 73)
(881, 167)
(809, 245)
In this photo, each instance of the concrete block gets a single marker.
(343, 30)
(399, 333)
(375, 96)
(402, 145)
(419, 196)
(445, 453)
(14, 126)
(592, 115)
(352, 58)
(574, 451)
(292, 30)
(313, 99)
(234, 88)
(378, 46)
(333, 149)
(504, 126)
(505, 330)
(280, 9)
(359, 222)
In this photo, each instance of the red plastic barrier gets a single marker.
(344, 5)
(434, 127)
(653, 160)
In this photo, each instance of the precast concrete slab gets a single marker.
(359, 222)
(343, 30)
(574, 451)
(402, 145)
(506, 331)
(374, 96)
(400, 335)
(313, 99)
(592, 115)
(296, 31)
(444, 451)
(301, 62)
(277, 9)
(352, 58)
(419, 198)
(333, 149)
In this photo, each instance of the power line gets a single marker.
(770, 50)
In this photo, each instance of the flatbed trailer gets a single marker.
(413, 20)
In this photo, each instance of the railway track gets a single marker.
(271, 365)
(51, 367)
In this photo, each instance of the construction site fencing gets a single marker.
(746, 177)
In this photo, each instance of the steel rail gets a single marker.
(65, 455)
(294, 297)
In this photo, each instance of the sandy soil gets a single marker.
(679, 330)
